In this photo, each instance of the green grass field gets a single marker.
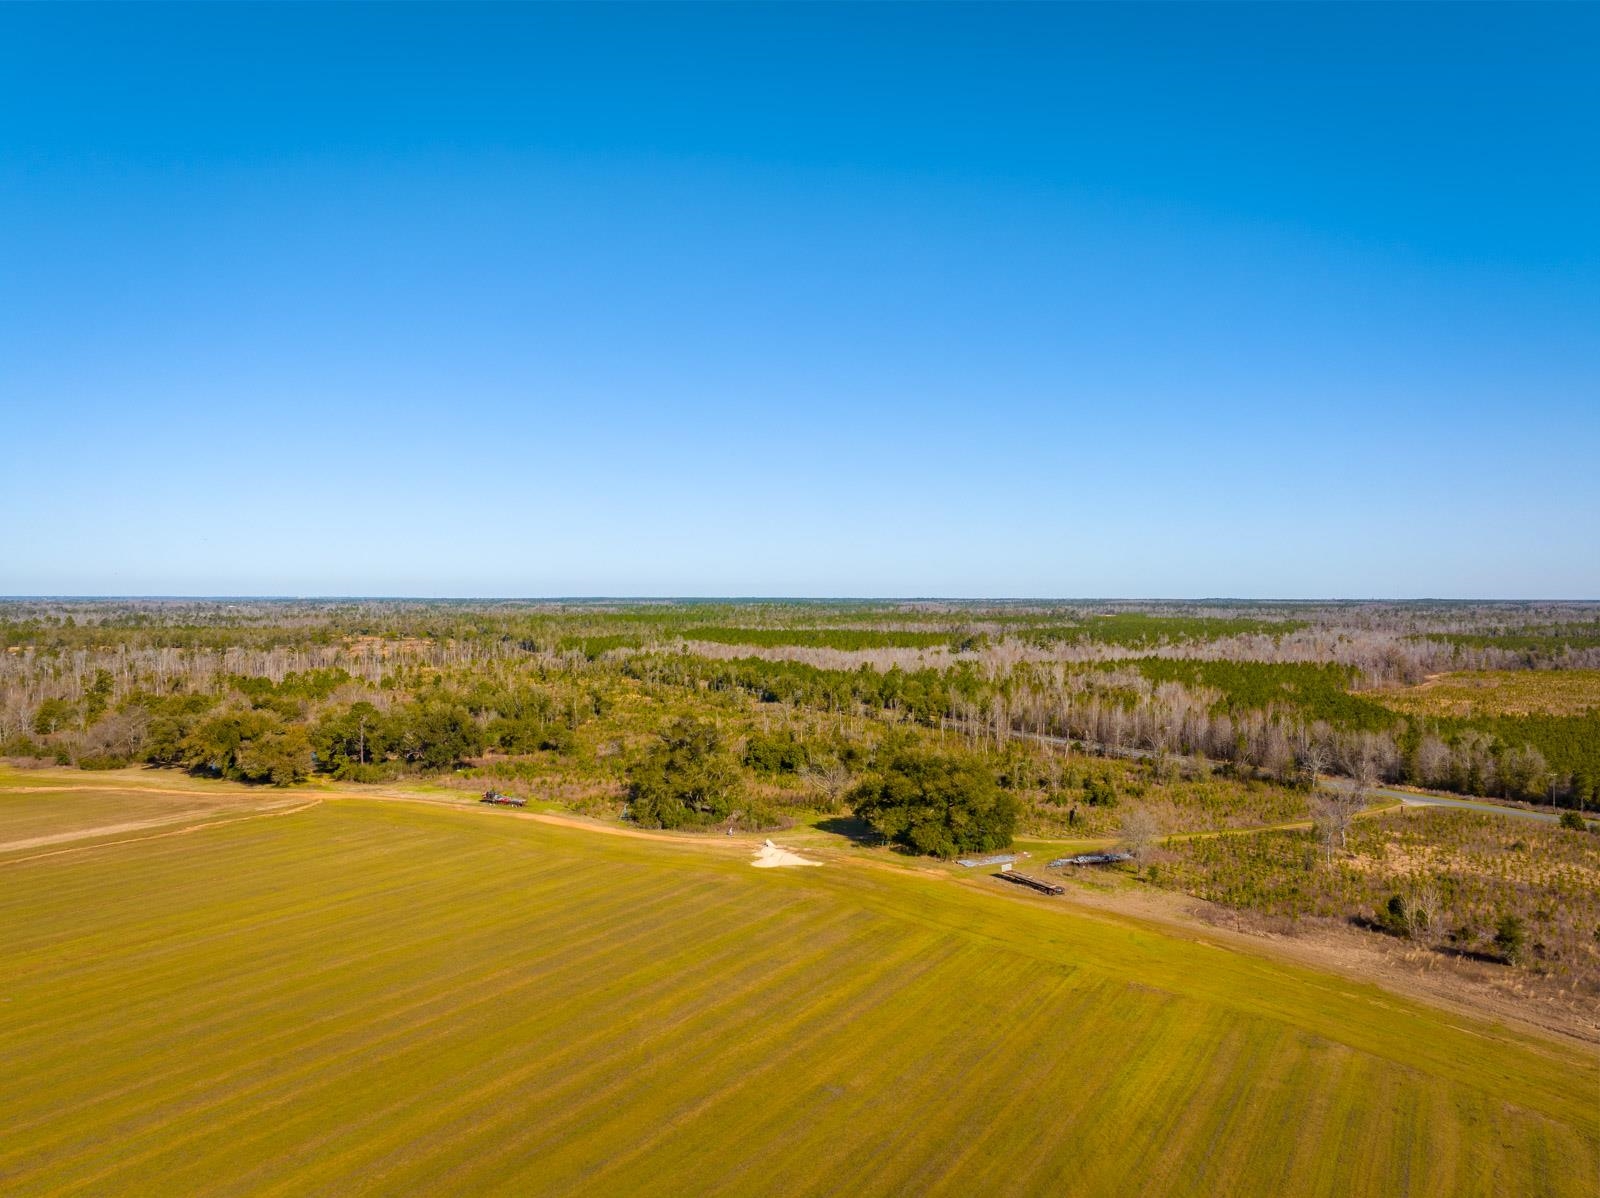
(379, 997)
(41, 811)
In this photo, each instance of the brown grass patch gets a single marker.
(1470, 693)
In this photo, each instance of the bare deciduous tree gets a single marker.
(1433, 761)
(1315, 759)
(1333, 812)
(1141, 835)
(829, 781)
(1423, 909)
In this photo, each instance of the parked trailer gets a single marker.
(500, 800)
(1030, 883)
(997, 859)
(1091, 859)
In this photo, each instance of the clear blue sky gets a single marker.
(891, 300)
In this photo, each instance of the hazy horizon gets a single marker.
(1064, 600)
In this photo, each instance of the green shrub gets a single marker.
(776, 753)
(103, 761)
(937, 805)
(687, 779)
(281, 757)
(53, 716)
(1509, 938)
(1099, 792)
(436, 735)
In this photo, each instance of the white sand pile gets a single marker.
(770, 856)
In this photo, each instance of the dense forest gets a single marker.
(274, 691)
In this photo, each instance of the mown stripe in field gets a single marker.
(410, 1001)
(500, 1059)
(662, 1047)
(353, 1033)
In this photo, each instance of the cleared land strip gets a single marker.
(190, 824)
(105, 830)
(390, 998)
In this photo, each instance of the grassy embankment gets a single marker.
(392, 998)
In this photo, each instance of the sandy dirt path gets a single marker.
(194, 792)
(743, 844)
(199, 824)
(36, 842)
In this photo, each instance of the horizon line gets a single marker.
(330, 597)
